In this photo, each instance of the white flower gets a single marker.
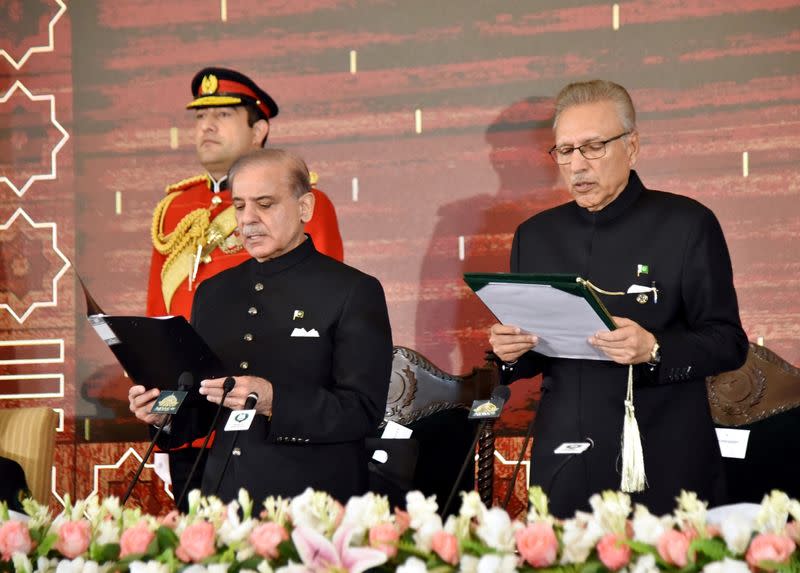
(21, 563)
(539, 506)
(611, 510)
(645, 564)
(276, 509)
(412, 565)
(80, 566)
(423, 536)
(691, 512)
(45, 565)
(419, 508)
(366, 511)
(496, 530)
(107, 532)
(233, 531)
(315, 509)
(494, 563)
(471, 505)
(214, 568)
(648, 528)
(580, 536)
(149, 567)
(468, 564)
(736, 531)
(727, 565)
(774, 512)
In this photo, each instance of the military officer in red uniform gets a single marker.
(193, 225)
(193, 228)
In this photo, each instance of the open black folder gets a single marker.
(154, 351)
(562, 310)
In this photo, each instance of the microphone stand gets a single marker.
(528, 435)
(185, 382)
(249, 404)
(227, 386)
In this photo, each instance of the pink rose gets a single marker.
(73, 538)
(446, 546)
(673, 547)
(402, 519)
(769, 547)
(170, 520)
(266, 537)
(14, 537)
(537, 543)
(196, 543)
(384, 537)
(135, 540)
(613, 551)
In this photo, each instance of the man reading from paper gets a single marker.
(678, 320)
(309, 334)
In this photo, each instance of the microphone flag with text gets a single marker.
(238, 421)
(168, 403)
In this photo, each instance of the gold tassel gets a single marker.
(633, 475)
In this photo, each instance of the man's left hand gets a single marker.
(212, 390)
(629, 343)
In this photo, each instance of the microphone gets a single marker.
(168, 402)
(572, 450)
(487, 411)
(227, 386)
(249, 404)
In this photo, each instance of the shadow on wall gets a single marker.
(451, 323)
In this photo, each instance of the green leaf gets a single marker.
(479, 549)
(46, 545)
(713, 549)
(166, 538)
(103, 553)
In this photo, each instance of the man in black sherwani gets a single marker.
(308, 334)
(680, 324)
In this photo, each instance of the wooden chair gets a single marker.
(28, 436)
(435, 404)
(762, 396)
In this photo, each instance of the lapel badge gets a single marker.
(298, 314)
(209, 85)
(641, 298)
(642, 270)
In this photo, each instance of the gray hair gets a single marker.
(594, 91)
(296, 174)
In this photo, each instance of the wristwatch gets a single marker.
(655, 354)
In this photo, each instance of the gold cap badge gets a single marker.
(209, 85)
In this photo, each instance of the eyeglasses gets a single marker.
(592, 150)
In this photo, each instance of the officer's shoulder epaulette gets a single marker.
(186, 183)
(313, 178)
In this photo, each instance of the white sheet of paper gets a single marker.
(733, 442)
(562, 321)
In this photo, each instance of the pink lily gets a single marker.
(320, 555)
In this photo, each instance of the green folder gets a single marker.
(562, 310)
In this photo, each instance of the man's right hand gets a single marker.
(140, 402)
(509, 342)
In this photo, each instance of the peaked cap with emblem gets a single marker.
(217, 87)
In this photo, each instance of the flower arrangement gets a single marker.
(313, 533)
